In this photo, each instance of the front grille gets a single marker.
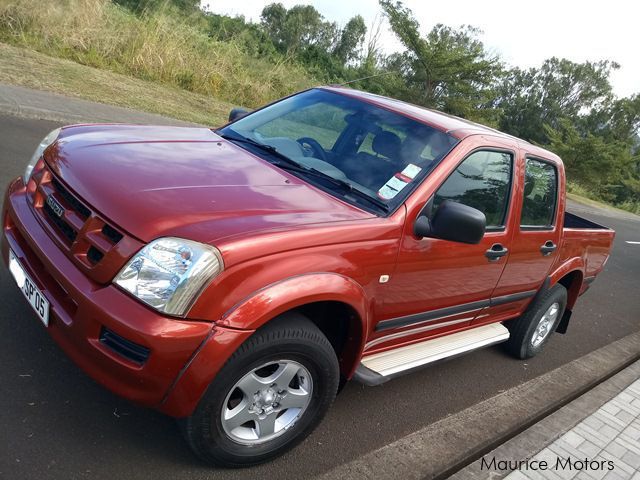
(69, 233)
(126, 348)
(111, 233)
(94, 255)
(87, 238)
(70, 200)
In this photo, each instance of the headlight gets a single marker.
(169, 273)
(46, 141)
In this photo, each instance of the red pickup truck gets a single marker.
(235, 278)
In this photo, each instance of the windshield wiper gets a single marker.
(262, 146)
(293, 166)
(343, 184)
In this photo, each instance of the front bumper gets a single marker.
(81, 309)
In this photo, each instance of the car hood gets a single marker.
(155, 181)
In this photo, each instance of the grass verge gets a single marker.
(27, 68)
(598, 204)
(163, 45)
(579, 194)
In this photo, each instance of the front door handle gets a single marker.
(496, 252)
(548, 248)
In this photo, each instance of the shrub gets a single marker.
(159, 45)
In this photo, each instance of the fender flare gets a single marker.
(267, 303)
(260, 307)
(575, 264)
(279, 297)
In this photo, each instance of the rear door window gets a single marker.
(540, 194)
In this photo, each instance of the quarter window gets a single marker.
(540, 194)
(481, 181)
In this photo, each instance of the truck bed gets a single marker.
(587, 240)
(574, 221)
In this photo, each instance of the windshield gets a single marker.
(377, 152)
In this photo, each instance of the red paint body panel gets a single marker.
(80, 307)
(193, 381)
(526, 267)
(437, 273)
(285, 244)
(185, 182)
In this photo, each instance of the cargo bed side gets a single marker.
(582, 238)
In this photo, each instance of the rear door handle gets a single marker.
(548, 248)
(496, 252)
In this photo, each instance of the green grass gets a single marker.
(19, 66)
(161, 46)
(581, 195)
(282, 127)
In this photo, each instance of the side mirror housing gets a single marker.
(453, 221)
(237, 113)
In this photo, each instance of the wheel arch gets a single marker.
(570, 275)
(315, 295)
(336, 304)
(572, 281)
(342, 325)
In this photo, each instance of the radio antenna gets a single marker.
(366, 78)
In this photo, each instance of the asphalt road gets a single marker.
(55, 422)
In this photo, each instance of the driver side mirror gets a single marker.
(237, 113)
(452, 221)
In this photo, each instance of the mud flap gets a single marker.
(564, 322)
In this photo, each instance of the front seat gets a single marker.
(373, 171)
(387, 144)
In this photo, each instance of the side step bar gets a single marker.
(378, 368)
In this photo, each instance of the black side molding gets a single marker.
(514, 297)
(399, 322)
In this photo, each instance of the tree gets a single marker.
(302, 33)
(560, 88)
(249, 36)
(273, 19)
(351, 38)
(606, 167)
(448, 69)
(618, 120)
(298, 28)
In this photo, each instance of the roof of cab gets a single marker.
(458, 127)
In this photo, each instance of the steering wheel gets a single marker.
(316, 148)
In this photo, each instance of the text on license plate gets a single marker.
(32, 293)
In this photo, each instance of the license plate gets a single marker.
(32, 293)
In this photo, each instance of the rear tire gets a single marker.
(282, 381)
(531, 331)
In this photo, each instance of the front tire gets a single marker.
(271, 394)
(531, 331)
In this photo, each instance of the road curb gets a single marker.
(450, 444)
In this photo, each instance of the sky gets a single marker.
(524, 34)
